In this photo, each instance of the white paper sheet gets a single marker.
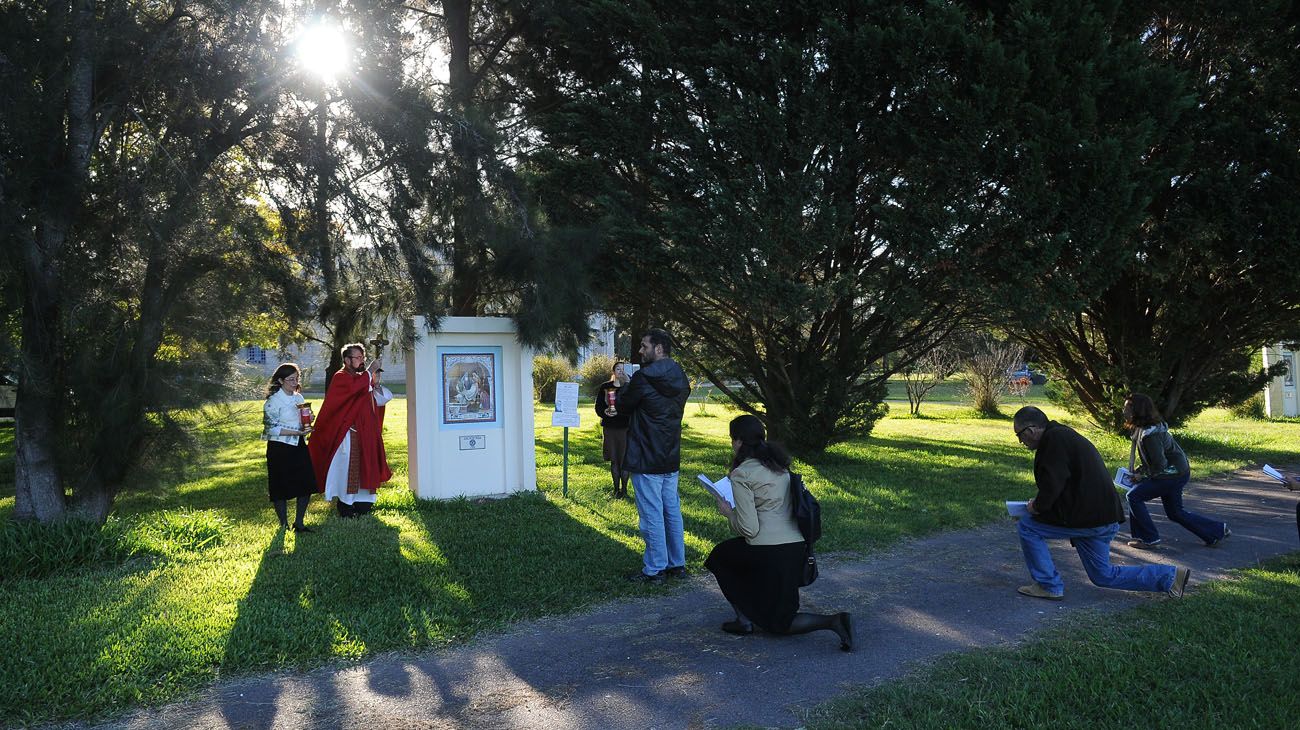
(721, 488)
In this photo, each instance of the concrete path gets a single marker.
(662, 662)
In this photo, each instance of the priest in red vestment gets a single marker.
(347, 446)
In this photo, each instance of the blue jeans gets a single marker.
(1093, 546)
(660, 513)
(1170, 492)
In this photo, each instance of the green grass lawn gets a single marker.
(1224, 657)
(419, 574)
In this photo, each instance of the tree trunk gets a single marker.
(93, 501)
(37, 478)
(344, 325)
(39, 494)
(466, 261)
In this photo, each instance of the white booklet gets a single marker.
(1274, 473)
(720, 488)
(1018, 509)
(1125, 479)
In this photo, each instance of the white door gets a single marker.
(1290, 408)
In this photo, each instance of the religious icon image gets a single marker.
(469, 387)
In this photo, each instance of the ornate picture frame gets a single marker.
(469, 388)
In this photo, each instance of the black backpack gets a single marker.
(808, 515)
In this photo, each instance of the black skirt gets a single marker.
(288, 471)
(761, 580)
(615, 440)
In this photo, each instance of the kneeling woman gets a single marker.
(288, 465)
(760, 571)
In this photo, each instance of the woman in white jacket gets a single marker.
(288, 465)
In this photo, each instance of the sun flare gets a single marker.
(322, 50)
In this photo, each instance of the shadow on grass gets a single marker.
(909, 487)
(345, 590)
(1205, 447)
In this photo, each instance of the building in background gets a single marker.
(313, 359)
(1280, 394)
(602, 340)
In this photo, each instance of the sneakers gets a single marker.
(1226, 534)
(1179, 585)
(1033, 590)
(677, 572)
(1144, 545)
(641, 577)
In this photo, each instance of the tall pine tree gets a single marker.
(798, 190)
(1206, 275)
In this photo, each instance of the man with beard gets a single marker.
(1077, 502)
(347, 448)
(655, 399)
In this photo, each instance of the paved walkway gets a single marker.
(661, 662)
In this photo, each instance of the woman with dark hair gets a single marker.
(614, 425)
(759, 572)
(288, 463)
(1164, 473)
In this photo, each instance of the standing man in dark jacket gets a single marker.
(654, 400)
(1076, 501)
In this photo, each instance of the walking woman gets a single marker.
(614, 427)
(288, 464)
(1164, 473)
(759, 572)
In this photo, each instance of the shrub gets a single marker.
(595, 372)
(989, 361)
(37, 550)
(1252, 408)
(547, 371)
(182, 531)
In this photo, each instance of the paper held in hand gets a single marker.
(720, 488)
(1125, 479)
(1274, 473)
(1018, 509)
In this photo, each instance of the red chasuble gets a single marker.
(349, 404)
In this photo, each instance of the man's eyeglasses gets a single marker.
(1022, 431)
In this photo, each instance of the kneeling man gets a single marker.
(1076, 501)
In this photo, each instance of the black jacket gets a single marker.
(654, 400)
(1074, 486)
(619, 421)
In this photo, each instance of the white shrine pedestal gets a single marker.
(469, 410)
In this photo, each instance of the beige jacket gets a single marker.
(762, 513)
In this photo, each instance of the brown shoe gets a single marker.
(1033, 590)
